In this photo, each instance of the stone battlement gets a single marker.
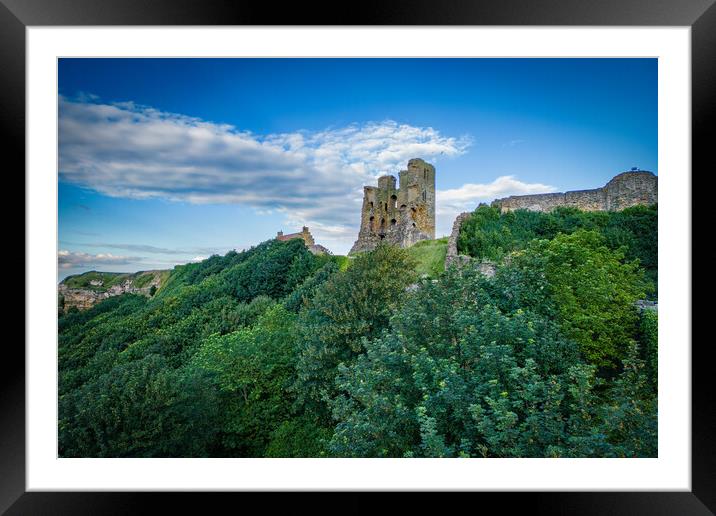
(624, 190)
(401, 216)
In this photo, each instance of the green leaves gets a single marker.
(345, 309)
(252, 369)
(462, 373)
(140, 409)
(138, 375)
(592, 289)
(275, 352)
(490, 235)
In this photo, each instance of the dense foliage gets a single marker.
(491, 235)
(275, 352)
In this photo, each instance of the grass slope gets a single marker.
(430, 255)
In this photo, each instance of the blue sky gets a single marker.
(164, 161)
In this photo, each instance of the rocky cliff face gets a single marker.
(86, 290)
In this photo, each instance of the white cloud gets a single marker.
(449, 203)
(69, 259)
(151, 249)
(313, 178)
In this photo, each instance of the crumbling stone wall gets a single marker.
(401, 216)
(624, 190)
(453, 256)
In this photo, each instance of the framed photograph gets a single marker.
(417, 249)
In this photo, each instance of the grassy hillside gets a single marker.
(430, 255)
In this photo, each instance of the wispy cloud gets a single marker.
(69, 259)
(141, 248)
(312, 178)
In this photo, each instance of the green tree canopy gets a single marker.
(345, 308)
(456, 375)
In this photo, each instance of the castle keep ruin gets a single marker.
(624, 190)
(401, 216)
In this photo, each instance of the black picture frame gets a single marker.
(16, 15)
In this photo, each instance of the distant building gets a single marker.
(307, 238)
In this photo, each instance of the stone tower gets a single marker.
(400, 216)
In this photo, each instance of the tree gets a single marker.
(140, 409)
(649, 329)
(460, 373)
(252, 369)
(592, 289)
(347, 307)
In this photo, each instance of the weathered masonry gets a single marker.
(624, 190)
(401, 216)
(307, 238)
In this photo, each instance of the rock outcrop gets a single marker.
(73, 292)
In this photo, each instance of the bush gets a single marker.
(489, 234)
(592, 289)
(457, 376)
(348, 306)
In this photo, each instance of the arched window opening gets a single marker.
(403, 206)
(392, 222)
(393, 201)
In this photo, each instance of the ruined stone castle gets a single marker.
(400, 216)
(622, 191)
